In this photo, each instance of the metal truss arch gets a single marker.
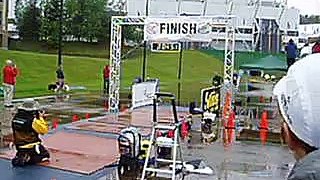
(115, 51)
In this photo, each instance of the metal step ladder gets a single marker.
(167, 142)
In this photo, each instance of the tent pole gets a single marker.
(180, 73)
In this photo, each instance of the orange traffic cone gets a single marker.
(230, 128)
(264, 128)
(231, 124)
(55, 123)
(87, 116)
(264, 124)
(75, 118)
(106, 105)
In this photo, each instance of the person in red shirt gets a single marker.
(316, 47)
(106, 79)
(10, 73)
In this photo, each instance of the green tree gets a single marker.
(19, 7)
(28, 19)
(75, 18)
(51, 22)
(133, 33)
(87, 19)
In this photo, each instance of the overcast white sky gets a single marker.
(306, 6)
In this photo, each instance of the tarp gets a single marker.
(267, 63)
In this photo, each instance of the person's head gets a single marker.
(298, 96)
(291, 41)
(9, 62)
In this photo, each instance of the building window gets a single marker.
(245, 30)
(218, 29)
(293, 33)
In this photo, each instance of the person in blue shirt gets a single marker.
(292, 52)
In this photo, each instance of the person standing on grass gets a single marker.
(106, 79)
(292, 53)
(298, 95)
(10, 73)
(60, 78)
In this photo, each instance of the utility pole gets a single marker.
(145, 49)
(60, 34)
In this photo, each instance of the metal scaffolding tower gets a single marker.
(257, 29)
(115, 57)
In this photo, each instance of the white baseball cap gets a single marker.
(8, 61)
(298, 95)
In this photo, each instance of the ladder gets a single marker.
(175, 159)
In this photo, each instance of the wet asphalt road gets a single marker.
(243, 161)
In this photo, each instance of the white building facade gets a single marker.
(261, 24)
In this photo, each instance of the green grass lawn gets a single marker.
(99, 50)
(197, 71)
(38, 70)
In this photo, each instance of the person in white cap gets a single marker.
(298, 95)
(10, 73)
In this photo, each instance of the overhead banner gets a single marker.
(178, 29)
(210, 100)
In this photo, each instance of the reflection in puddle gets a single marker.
(245, 167)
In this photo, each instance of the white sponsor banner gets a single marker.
(178, 29)
(142, 93)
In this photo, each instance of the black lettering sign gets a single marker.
(178, 28)
(165, 47)
(162, 27)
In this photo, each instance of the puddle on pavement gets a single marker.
(244, 162)
(64, 108)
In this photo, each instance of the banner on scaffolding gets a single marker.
(142, 93)
(210, 100)
(178, 29)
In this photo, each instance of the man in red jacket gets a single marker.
(9, 81)
(106, 79)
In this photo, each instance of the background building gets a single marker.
(4, 23)
(309, 31)
(261, 24)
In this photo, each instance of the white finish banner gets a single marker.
(142, 93)
(178, 29)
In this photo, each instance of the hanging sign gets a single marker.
(142, 93)
(178, 29)
(210, 99)
(169, 47)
